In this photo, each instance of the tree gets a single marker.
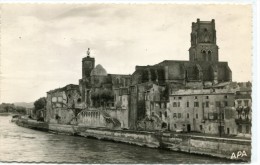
(102, 96)
(40, 103)
(7, 107)
(20, 109)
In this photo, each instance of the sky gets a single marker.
(42, 45)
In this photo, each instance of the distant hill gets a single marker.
(23, 104)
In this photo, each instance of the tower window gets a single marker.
(209, 55)
(204, 55)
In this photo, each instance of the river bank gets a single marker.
(236, 149)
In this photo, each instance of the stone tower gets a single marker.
(88, 64)
(203, 41)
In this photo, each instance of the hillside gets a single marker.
(24, 104)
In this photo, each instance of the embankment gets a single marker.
(238, 149)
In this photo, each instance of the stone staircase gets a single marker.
(115, 121)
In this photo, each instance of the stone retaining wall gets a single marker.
(238, 149)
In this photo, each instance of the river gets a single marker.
(25, 145)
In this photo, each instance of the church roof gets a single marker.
(98, 71)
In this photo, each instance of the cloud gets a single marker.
(42, 45)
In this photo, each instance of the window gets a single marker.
(179, 115)
(207, 97)
(209, 55)
(54, 99)
(225, 96)
(174, 98)
(60, 99)
(226, 103)
(160, 114)
(174, 115)
(174, 104)
(180, 98)
(188, 115)
(196, 97)
(211, 116)
(179, 104)
(152, 113)
(239, 102)
(165, 114)
(204, 55)
(196, 104)
(201, 127)
(207, 104)
(175, 126)
(197, 116)
(246, 102)
(188, 104)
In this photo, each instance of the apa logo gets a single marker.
(239, 154)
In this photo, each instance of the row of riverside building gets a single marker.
(182, 96)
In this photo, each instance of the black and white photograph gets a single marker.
(108, 83)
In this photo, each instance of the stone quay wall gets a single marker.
(237, 149)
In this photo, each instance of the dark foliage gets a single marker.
(40, 103)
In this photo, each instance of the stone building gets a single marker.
(63, 104)
(203, 70)
(105, 96)
(243, 106)
(156, 101)
(203, 110)
(203, 67)
(122, 99)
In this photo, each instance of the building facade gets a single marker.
(243, 106)
(205, 110)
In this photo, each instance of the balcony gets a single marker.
(243, 121)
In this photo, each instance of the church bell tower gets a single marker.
(203, 42)
(88, 63)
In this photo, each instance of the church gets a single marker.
(117, 101)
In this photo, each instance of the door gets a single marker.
(221, 130)
(188, 127)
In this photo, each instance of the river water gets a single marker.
(25, 145)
